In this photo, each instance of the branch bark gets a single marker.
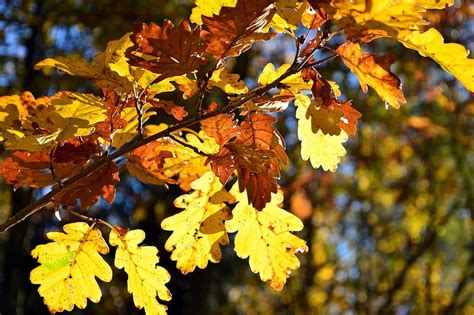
(138, 142)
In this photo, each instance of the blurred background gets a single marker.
(392, 231)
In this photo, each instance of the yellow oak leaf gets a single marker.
(77, 114)
(381, 18)
(209, 8)
(60, 117)
(188, 86)
(294, 82)
(373, 71)
(146, 280)
(109, 69)
(287, 16)
(265, 238)
(69, 266)
(172, 160)
(321, 149)
(227, 82)
(199, 228)
(128, 132)
(324, 120)
(452, 57)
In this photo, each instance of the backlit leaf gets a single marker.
(198, 230)
(146, 280)
(171, 51)
(451, 57)
(234, 30)
(265, 238)
(321, 149)
(209, 8)
(373, 71)
(227, 82)
(69, 266)
(87, 190)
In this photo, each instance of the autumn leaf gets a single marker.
(287, 16)
(209, 8)
(169, 161)
(146, 280)
(28, 168)
(188, 86)
(256, 152)
(109, 70)
(326, 94)
(373, 71)
(218, 127)
(43, 168)
(367, 20)
(199, 229)
(147, 163)
(171, 108)
(129, 130)
(323, 119)
(168, 50)
(234, 30)
(69, 265)
(321, 149)
(265, 238)
(88, 189)
(452, 57)
(227, 82)
(43, 122)
(295, 82)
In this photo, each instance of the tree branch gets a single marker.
(136, 143)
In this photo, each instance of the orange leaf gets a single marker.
(374, 71)
(233, 31)
(177, 50)
(101, 182)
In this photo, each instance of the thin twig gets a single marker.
(187, 145)
(90, 219)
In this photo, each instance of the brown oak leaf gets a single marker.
(233, 31)
(36, 169)
(146, 164)
(171, 108)
(114, 105)
(168, 50)
(87, 190)
(255, 149)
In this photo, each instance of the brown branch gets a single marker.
(234, 104)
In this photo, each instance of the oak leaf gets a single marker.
(227, 82)
(69, 266)
(288, 15)
(209, 8)
(452, 57)
(326, 93)
(265, 238)
(43, 122)
(321, 149)
(168, 50)
(234, 30)
(43, 168)
(146, 280)
(88, 189)
(373, 71)
(198, 230)
(146, 163)
(256, 150)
